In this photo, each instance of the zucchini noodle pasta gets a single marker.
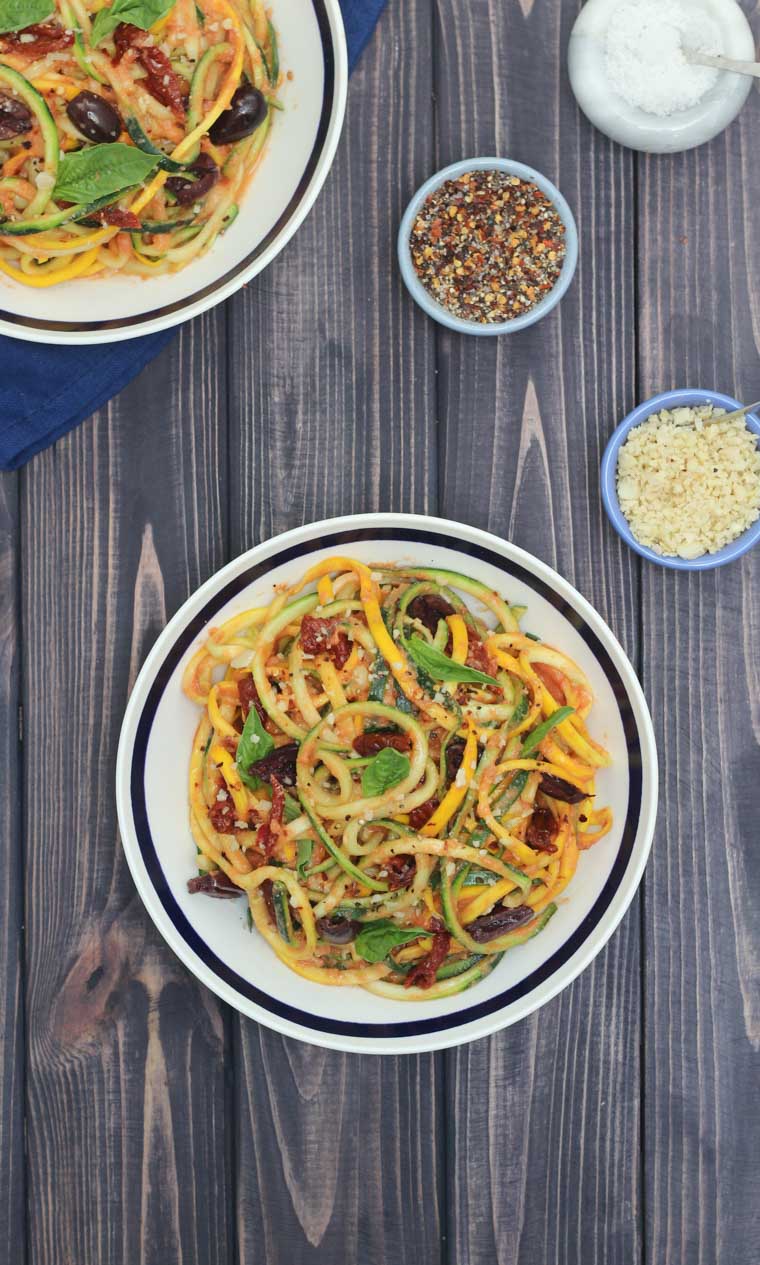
(399, 787)
(125, 145)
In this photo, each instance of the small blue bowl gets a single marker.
(669, 400)
(426, 300)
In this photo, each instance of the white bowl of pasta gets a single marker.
(416, 762)
(150, 166)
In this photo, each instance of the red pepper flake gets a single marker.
(488, 246)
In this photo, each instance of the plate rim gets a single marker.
(501, 1017)
(123, 329)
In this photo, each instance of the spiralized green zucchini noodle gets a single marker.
(128, 131)
(399, 786)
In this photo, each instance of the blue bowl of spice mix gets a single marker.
(488, 246)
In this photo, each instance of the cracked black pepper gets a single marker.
(488, 246)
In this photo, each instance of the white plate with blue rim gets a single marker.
(213, 938)
(296, 161)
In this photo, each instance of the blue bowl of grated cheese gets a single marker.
(684, 493)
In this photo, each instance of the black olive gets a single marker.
(206, 175)
(247, 111)
(499, 922)
(215, 883)
(558, 788)
(15, 118)
(338, 930)
(429, 608)
(94, 117)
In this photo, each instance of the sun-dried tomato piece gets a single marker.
(429, 609)
(378, 740)
(42, 37)
(401, 871)
(269, 832)
(223, 815)
(161, 80)
(558, 788)
(422, 974)
(119, 219)
(325, 636)
(216, 883)
(478, 657)
(543, 828)
(421, 815)
(280, 764)
(249, 697)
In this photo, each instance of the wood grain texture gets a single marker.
(331, 367)
(332, 411)
(543, 1120)
(700, 643)
(125, 1068)
(159, 1127)
(12, 1175)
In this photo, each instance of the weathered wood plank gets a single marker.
(125, 1089)
(331, 366)
(700, 639)
(12, 1178)
(332, 410)
(543, 1120)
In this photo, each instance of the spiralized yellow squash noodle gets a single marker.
(399, 786)
(127, 142)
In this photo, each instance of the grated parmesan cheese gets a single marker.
(686, 488)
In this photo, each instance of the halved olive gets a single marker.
(247, 111)
(206, 174)
(338, 930)
(15, 118)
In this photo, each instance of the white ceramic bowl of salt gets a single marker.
(640, 102)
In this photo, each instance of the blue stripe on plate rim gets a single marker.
(225, 973)
(143, 318)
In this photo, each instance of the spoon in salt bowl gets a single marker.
(723, 63)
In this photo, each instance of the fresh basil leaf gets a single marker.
(386, 769)
(440, 667)
(305, 849)
(15, 15)
(142, 13)
(534, 739)
(375, 941)
(254, 744)
(101, 170)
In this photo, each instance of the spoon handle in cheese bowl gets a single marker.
(737, 413)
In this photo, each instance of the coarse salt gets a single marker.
(645, 61)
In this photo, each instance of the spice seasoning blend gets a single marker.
(488, 246)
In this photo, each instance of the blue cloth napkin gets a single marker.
(46, 391)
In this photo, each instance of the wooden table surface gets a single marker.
(141, 1121)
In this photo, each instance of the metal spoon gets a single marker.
(723, 63)
(737, 413)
